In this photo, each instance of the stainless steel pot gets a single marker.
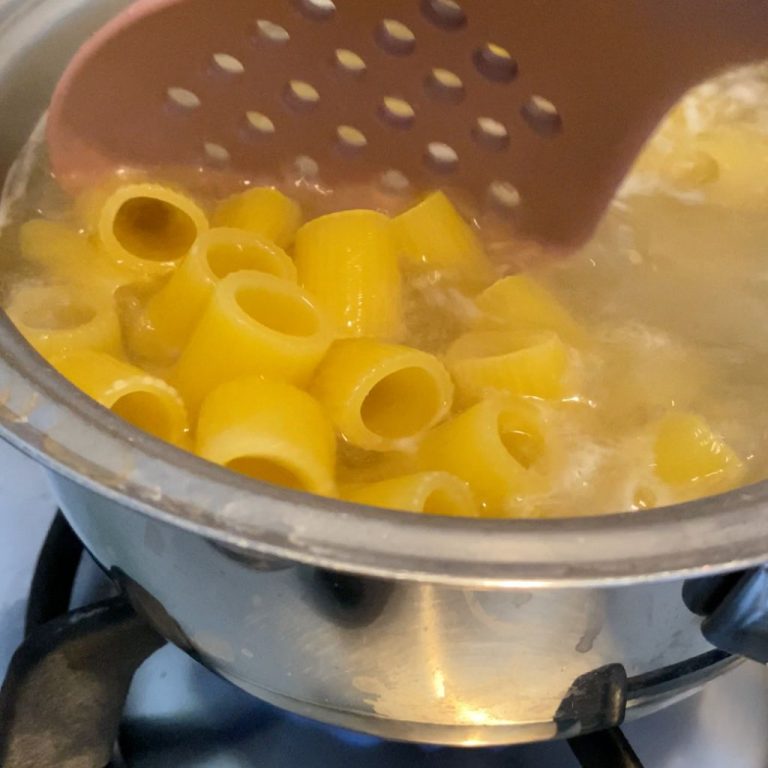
(442, 630)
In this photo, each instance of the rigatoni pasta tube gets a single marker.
(61, 318)
(148, 228)
(493, 446)
(145, 401)
(688, 454)
(433, 236)
(519, 301)
(68, 256)
(263, 211)
(382, 396)
(270, 431)
(527, 363)
(348, 262)
(432, 493)
(170, 315)
(254, 323)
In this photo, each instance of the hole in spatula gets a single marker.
(446, 14)
(395, 38)
(183, 98)
(441, 157)
(445, 85)
(231, 65)
(306, 168)
(260, 123)
(301, 95)
(394, 181)
(272, 32)
(504, 196)
(491, 134)
(216, 153)
(542, 116)
(349, 62)
(318, 9)
(495, 63)
(397, 112)
(350, 140)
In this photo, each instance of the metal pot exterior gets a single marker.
(400, 658)
(472, 631)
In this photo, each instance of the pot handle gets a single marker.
(735, 611)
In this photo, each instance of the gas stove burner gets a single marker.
(64, 699)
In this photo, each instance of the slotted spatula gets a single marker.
(537, 107)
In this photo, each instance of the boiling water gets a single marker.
(673, 292)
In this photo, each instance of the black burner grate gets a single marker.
(50, 594)
(608, 748)
(74, 670)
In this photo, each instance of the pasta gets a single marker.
(145, 401)
(380, 356)
(433, 236)
(67, 256)
(270, 431)
(432, 493)
(519, 301)
(254, 323)
(688, 454)
(348, 262)
(382, 396)
(678, 458)
(148, 228)
(264, 211)
(528, 363)
(494, 446)
(170, 315)
(58, 318)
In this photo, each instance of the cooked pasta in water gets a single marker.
(399, 350)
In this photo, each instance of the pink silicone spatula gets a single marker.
(535, 106)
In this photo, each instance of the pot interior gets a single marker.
(47, 418)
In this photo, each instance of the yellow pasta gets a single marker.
(145, 401)
(60, 318)
(726, 164)
(691, 458)
(527, 363)
(382, 396)
(270, 431)
(254, 323)
(147, 228)
(432, 493)
(494, 446)
(348, 262)
(264, 211)
(433, 236)
(382, 361)
(519, 301)
(731, 164)
(69, 257)
(170, 315)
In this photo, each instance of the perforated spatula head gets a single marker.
(537, 107)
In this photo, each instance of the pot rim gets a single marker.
(47, 418)
(50, 420)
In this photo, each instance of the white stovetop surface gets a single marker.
(26, 510)
(723, 727)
